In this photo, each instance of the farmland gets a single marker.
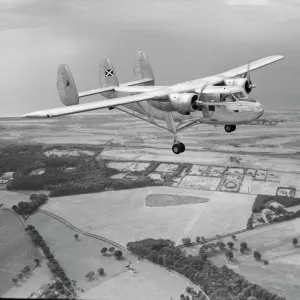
(16, 250)
(282, 275)
(123, 216)
(85, 251)
(151, 282)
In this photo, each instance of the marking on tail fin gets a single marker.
(108, 78)
(109, 72)
(66, 87)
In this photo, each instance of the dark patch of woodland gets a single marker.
(88, 176)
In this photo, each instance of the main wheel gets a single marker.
(182, 147)
(233, 127)
(176, 148)
(229, 128)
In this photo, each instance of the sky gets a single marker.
(184, 39)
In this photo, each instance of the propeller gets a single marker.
(249, 84)
(199, 91)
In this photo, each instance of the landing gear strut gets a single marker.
(229, 128)
(178, 147)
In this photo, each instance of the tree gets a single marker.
(242, 250)
(100, 271)
(186, 241)
(15, 280)
(257, 255)
(230, 245)
(90, 275)
(233, 237)
(266, 262)
(37, 262)
(229, 254)
(295, 241)
(198, 239)
(25, 270)
(103, 250)
(76, 236)
(20, 276)
(244, 244)
(118, 254)
(203, 256)
(111, 249)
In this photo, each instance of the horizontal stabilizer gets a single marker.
(137, 89)
(95, 91)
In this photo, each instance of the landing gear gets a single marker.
(229, 128)
(178, 148)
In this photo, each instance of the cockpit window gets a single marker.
(239, 95)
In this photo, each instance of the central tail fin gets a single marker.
(142, 68)
(107, 78)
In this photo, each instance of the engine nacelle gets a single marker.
(184, 103)
(242, 82)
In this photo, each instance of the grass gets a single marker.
(78, 257)
(282, 275)
(16, 249)
(151, 282)
(123, 216)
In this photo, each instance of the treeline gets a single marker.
(90, 187)
(27, 208)
(66, 286)
(261, 201)
(218, 283)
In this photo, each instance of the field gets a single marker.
(123, 216)
(151, 282)
(16, 249)
(282, 275)
(35, 280)
(78, 257)
(9, 198)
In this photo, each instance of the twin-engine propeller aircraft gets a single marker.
(222, 99)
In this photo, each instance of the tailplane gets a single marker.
(108, 78)
(142, 69)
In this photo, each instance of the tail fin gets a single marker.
(66, 87)
(107, 78)
(142, 68)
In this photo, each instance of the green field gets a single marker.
(79, 257)
(16, 249)
(282, 275)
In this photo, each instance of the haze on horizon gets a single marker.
(183, 39)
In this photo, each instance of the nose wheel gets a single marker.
(178, 148)
(229, 128)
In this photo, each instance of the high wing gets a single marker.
(253, 66)
(73, 109)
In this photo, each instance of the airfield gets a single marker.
(207, 190)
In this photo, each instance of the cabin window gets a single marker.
(211, 108)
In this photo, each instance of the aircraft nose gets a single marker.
(259, 108)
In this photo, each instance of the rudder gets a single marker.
(107, 77)
(142, 68)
